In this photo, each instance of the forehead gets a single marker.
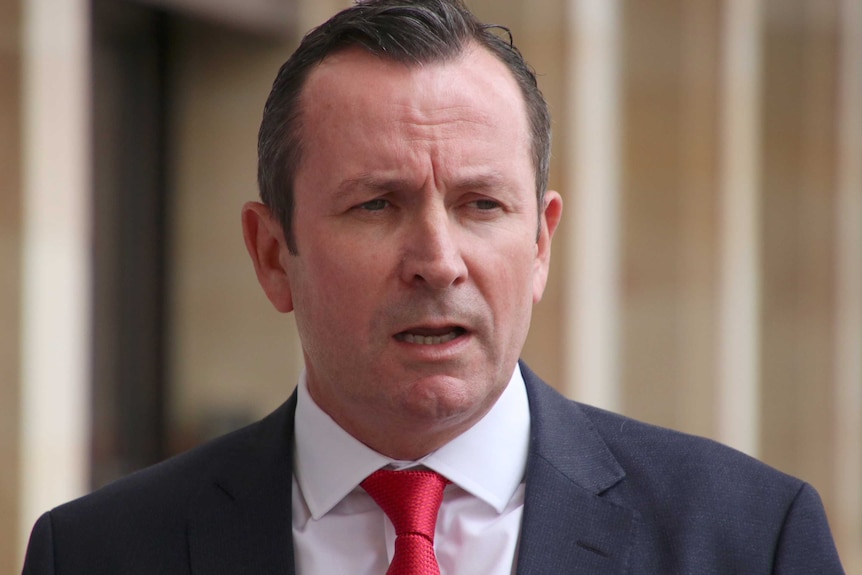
(354, 87)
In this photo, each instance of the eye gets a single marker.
(374, 205)
(485, 204)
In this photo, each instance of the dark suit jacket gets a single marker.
(605, 494)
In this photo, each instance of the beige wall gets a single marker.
(233, 357)
(46, 275)
(10, 279)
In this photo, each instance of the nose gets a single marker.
(432, 253)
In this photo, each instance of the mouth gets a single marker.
(431, 336)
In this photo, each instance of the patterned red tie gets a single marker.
(411, 500)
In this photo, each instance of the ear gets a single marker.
(264, 240)
(548, 222)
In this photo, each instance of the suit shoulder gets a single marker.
(140, 523)
(169, 486)
(653, 459)
(689, 488)
(692, 470)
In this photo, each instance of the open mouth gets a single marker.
(430, 336)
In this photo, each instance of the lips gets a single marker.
(430, 336)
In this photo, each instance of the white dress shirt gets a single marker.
(338, 528)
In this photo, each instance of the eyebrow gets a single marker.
(367, 181)
(489, 180)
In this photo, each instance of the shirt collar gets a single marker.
(488, 460)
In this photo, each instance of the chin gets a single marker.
(447, 402)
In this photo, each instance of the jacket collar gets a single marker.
(242, 519)
(568, 527)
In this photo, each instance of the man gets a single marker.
(405, 222)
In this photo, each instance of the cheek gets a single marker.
(508, 281)
(342, 283)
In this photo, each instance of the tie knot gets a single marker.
(411, 499)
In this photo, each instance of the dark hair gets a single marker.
(409, 31)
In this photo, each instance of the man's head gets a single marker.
(415, 259)
(414, 32)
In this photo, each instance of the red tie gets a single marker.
(411, 500)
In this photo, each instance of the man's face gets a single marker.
(415, 223)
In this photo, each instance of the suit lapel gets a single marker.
(568, 527)
(242, 520)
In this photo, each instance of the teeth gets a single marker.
(430, 339)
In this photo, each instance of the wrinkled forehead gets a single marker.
(355, 84)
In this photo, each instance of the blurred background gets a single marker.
(707, 275)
